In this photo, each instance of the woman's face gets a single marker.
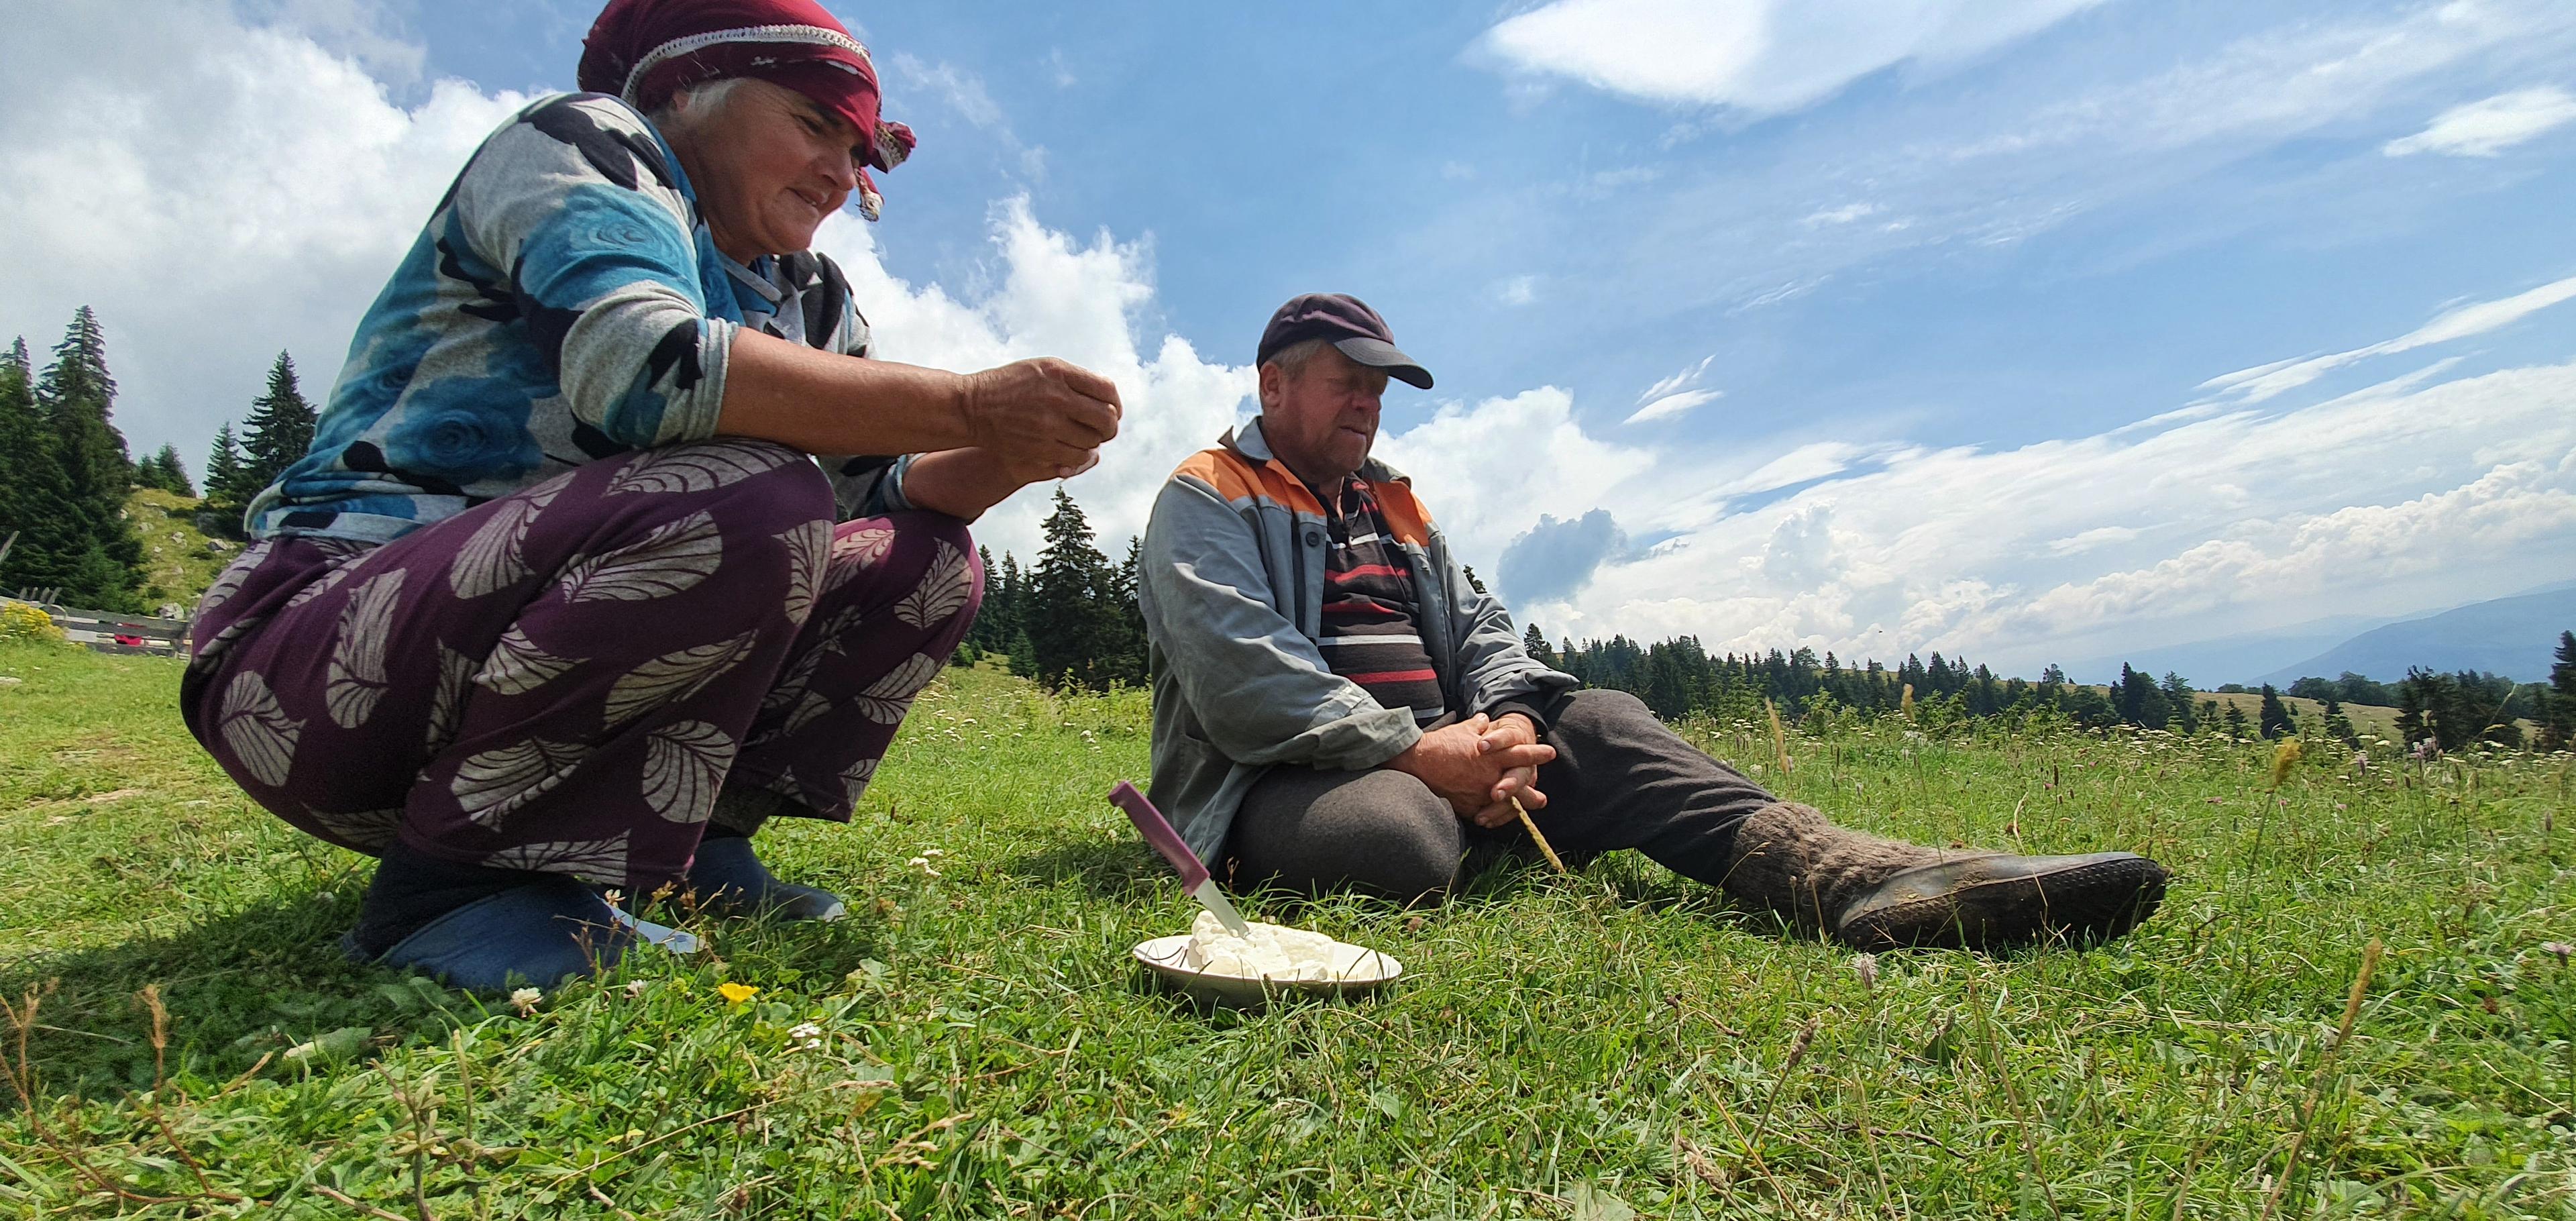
(768, 166)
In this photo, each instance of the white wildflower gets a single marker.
(525, 1000)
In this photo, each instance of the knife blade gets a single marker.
(1194, 872)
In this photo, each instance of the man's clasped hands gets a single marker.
(1479, 765)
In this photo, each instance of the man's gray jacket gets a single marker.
(1232, 586)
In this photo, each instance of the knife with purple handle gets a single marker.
(1194, 872)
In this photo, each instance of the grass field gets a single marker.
(1620, 1043)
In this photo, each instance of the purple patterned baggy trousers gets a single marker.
(563, 679)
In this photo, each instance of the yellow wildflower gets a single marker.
(2283, 756)
(735, 993)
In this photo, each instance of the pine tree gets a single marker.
(2178, 695)
(31, 485)
(1071, 621)
(2558, 720)
(2235, 720)
(1469, 571)
(78, 398)
(1130, 655)
(278, 430)
(163, 470)
(224, 476)
(1534, 642)
(2276, 715)
(2338, 726)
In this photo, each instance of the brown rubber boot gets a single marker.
(1877, 894)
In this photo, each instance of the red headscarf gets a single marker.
(646, 50)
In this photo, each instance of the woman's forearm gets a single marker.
(1038, 417)
(826, 403)
(962, 483)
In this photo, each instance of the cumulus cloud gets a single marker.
(1554, 558)
(2477, 318)
(2384, 501)
(1759, 56)
(2486, 128)
(221, 189)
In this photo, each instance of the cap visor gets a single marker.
(1379, 354)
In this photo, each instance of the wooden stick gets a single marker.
(1532, 828)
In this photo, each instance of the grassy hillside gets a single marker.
(1584, 1047)
(177, 563)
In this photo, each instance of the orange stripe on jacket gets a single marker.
(1235, 477)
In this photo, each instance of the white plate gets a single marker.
(1355, 970)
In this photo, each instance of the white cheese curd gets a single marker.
(1272, 951)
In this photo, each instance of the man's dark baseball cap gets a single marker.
(1350, 325)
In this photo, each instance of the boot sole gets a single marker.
(2085, 905)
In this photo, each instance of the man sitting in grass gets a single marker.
(1336, 707)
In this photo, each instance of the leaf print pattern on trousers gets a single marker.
(229, 582)
(491, 560)
(887, 699)
(855, 779)
(328, 582)
(809, 548)
(492, 785)
(699, 467)
(597, 861)
(684, 765)
(364, 830)
(855, 552)
(517, 666)
(942, 591)
(258, 730)
(673, 676)
(671, 559)
(447, 700)
(357, 673)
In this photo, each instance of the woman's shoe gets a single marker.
(539, 934)
(727, 879)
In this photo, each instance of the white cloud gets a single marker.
(2265, 381)
(219, 190)
(1055, 296)
(1674, 396)
(216, 191)
(963, 92)
(1843, 215)
(1760, 56)
(2096, 128)
(1673, 405)
(1517, 290)
(2088, 540)
(1479, 468)
(1680, 381)
(2484, 129)
(2413, 493)
(1805, 464)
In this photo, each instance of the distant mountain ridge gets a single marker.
(2510, 636)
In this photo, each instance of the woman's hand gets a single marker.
(1032, 419)
(1043, 418)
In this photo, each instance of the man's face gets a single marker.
(1322, 419)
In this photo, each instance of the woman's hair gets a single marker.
(694, 105)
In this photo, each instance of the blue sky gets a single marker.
(1873, 326)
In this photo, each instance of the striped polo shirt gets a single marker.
(1369, 635)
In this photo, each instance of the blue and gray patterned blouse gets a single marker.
(564, 304)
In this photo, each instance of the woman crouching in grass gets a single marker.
(612, 543)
